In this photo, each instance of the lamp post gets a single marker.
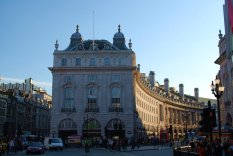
(217, 89)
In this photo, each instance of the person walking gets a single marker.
(86, 147)
(11, 146)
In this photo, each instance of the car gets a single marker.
(53, 143)
(35, 147)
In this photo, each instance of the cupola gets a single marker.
(76, 36)
(119, 39)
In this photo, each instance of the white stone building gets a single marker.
(98, 91)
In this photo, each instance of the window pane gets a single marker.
(92, 61)
(92, 78)
(92, 92)
(115, 92)
(78, 62)
(106, 61)
(63, 62)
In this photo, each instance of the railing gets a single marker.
(115, 109)
(94, 109)
(68, 110)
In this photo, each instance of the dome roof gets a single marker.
(76, 35)
(119, 34)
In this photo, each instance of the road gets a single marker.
(104, 152)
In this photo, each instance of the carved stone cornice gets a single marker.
(95, 68)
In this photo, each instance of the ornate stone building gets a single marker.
(225, 73)
(24, 109)
(98, 91)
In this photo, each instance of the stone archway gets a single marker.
(67, 127)
(115, 128)
(91, 128)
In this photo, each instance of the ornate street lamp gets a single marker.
(217, 89)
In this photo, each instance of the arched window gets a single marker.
(91, 124)
(68, 101)
(115, 124)
(78, 61)
(67, 124)
(116, 100)
(64, 62)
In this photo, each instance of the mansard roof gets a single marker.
(88, 45)
(78, 44)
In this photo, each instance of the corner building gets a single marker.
(98, 91)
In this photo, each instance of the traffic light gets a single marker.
(208, 121)
(212, 117)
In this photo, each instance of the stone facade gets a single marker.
(24, 109)
(225, 73)
(98, 91)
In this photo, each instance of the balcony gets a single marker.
(115, 109)
(68, 110)
(94, 109)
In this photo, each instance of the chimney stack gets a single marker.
(166, 85)
(196, 93)
(181, 90)
(152, 78)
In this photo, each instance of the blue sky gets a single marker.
(176, 39)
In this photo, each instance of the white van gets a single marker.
(53, 143)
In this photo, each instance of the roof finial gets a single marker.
(220, 35)
(119, 28)
(77, 28)
(130, 44)
(56, 45)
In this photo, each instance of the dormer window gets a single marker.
(94, 47)
(107, 47)
(80, 47)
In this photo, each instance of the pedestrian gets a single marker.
(86, 147)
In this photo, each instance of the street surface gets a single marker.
(142, 151)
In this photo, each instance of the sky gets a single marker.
(177, 40)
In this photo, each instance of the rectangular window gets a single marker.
(91, 105)
(63, 62)
(92, 62)
(107, 61)
(78, 61)
(68, 105)
(116, 105)
(92, 78)
(67, 79)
